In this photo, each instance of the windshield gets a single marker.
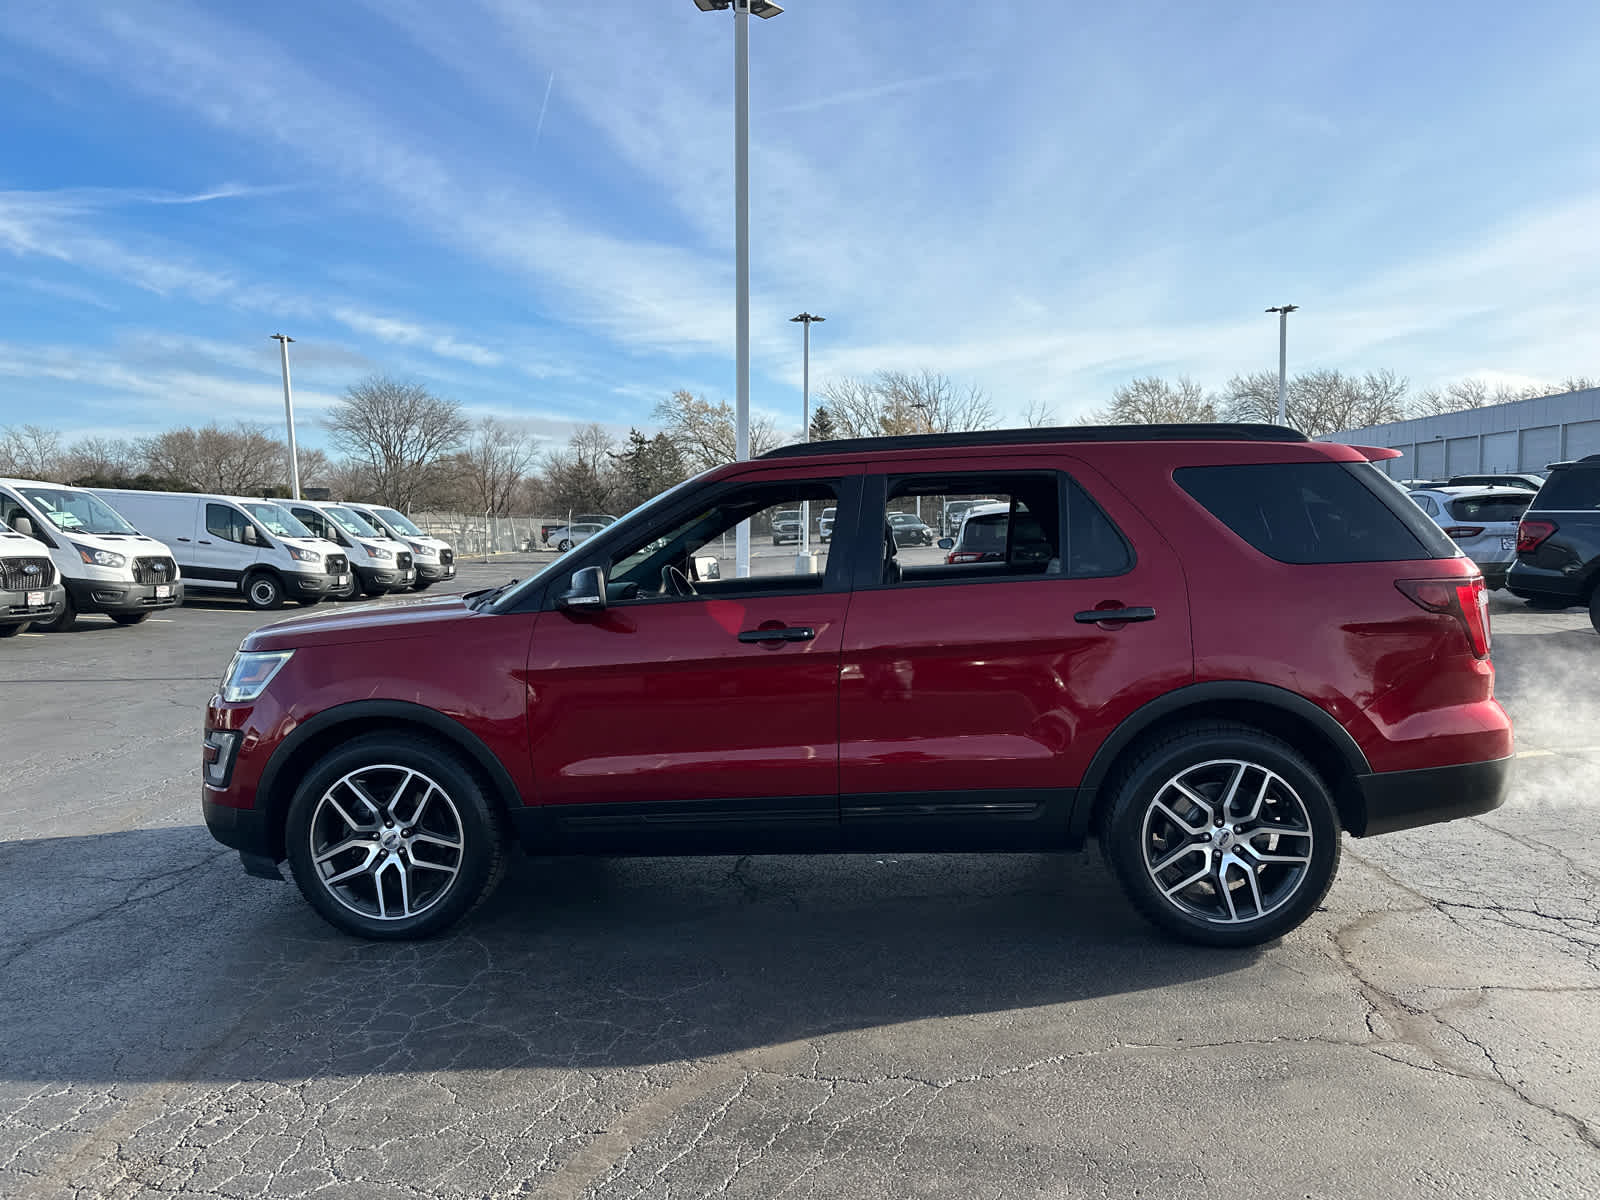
(77, 512)
(348, 521)
(398, 521)
(275, 519)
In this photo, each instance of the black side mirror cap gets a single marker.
(947, 543)
(586, 592)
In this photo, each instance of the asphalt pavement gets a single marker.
(841, 1026)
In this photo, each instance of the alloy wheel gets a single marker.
(387, 842)
(1228, 840)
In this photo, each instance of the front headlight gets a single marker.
(304, 555)
(249, 673)
(419, 548)
(100, 558)
(378, 552)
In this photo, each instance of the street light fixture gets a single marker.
(806, 319)
(283, 341)
(1283, 311)
(741, 232)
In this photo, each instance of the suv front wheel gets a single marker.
(1223, 835)
(392, 837)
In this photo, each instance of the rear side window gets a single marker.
(1490, 508)
(1570, 489)
(1318, 512)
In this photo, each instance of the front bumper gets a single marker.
(389, 579)
(1394, 800)
(14, 606)
(101, 596)
(302, 586)
(244, 830)
(433, 572)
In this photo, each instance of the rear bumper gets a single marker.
(1540, 583)
(98, 596)
(1394, 800)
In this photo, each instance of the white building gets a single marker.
(1524, 435)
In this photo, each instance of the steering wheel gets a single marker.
(675, 582)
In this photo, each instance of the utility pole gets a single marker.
(283, 341)
(1283, 311)
(806, 319)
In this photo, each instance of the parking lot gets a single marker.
(853, 1026)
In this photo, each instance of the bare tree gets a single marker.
(900, 402)
(33, 452)
(102, 458)
(493, 465)
(705, 433)
(242, 461)
(399, 432)
(1154, 401)
(1038, 413)
(1319, 402)
(583, 476)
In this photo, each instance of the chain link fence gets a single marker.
(485, 533)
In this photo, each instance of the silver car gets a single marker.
(568, 536)
(1482, 521)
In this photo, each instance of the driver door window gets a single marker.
(693, 554)
(225, 522)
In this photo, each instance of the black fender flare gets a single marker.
(1198, 695)
(274, 800)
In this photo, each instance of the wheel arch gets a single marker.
(316, 736)
(1306, 726)
(255, 569)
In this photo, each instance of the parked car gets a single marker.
(105, 564)
(1532, 482)
(955, 511)
(825, 524)
(30, 585)
(1482, 521)
(997, 532)
(549, 527)
(565, 537)
(233, 545)
(909, 530)
(434, 558)
(1150, 682)
(378, 563)
(786, 526)
(1558, 542)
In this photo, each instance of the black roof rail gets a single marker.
(1207, 432)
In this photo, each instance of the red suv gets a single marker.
(1212, 647)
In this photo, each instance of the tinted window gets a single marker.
(225, 521)
(1322, 512)
(1490, 508)
(312, 520)
(1427, 505)
(1094, 546)
(1570, 488)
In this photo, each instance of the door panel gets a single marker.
(953, 691)
(659, 706)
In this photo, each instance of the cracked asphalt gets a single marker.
(967, 1026)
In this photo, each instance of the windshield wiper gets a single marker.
(491, 597)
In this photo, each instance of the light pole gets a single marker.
(741, 231)
(1283, 311)
(806, 319)
(283, 341)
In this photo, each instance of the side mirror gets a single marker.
(22, 525)
(250, 538)
(586, 593)
(946, 543)
(706, 566)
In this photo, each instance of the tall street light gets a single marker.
(806, 319)
(741, 229)
(1283, 311)
(283, 341)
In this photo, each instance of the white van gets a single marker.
(231, 545)
(30, 586)
(378, 563)
(434, 559)
(105, 563)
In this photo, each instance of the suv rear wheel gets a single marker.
(1223, 835)
(391, 837)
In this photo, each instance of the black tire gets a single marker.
(11, 631)
(1136, 836)
(133, 618)
(564, 545)
(263, 591)
(374, 759)
(64, 621)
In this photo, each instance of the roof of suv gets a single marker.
(1216, 432)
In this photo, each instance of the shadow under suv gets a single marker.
(1210, 647)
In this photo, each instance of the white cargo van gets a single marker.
(105, 563)
(378, 562)
(231, 545)
(30, 588)
(434, 559)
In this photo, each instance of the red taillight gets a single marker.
(964, 556)
(1465, 599)
(1530, 534)
(1461, 531)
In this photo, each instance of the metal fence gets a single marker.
(485, 533)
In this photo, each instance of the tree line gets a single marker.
(396, 442)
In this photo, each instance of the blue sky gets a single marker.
(527, 204)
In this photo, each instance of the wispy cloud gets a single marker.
(877, 91)
(408, 333)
